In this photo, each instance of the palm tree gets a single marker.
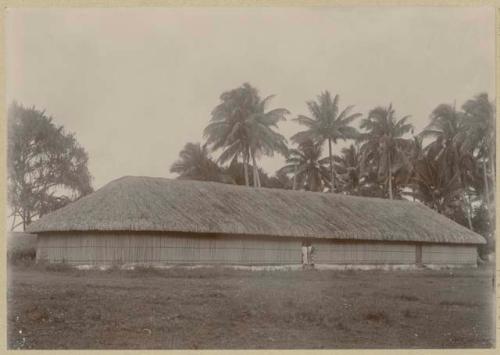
(407, 176)
(195, 164)
(329, 124)
(236, 172)
(479, 124)
(348, 168)
(384, 145)
(241, 126)
(433, 187)
(306, 167)
(450, 149)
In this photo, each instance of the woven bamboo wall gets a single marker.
(449, 254)
(334, 252)
(108, 248)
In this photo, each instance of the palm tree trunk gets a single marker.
(245, 169)
(492, 165)
(493, 175)
(258, 175)
(312, 183)
(467, 209)
(486, 190)
(435, 205)
(466, 201)
(390, 175)
(332, 176)
(256, 178)
(295, 178)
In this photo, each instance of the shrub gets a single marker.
(22, 256)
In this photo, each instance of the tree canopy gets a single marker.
(47, 168)
(242, 127)
(449, 166)
(327, 124)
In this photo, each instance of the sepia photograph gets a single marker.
(258, 177)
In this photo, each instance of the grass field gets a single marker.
(221, 308)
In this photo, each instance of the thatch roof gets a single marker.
(158, 204)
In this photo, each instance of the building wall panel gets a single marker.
(340, 252)
(108, 248)
(449, 254)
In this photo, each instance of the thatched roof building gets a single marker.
(144, 209)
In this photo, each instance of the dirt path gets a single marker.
(209, 309)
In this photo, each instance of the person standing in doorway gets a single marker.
(310, 253)
(305, 259)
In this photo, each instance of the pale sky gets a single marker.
(135, 85)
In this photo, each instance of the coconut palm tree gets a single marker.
(479, 125)
(384, 144)
(306, 166)
(433, 186)
(328, 124)
(479, 122)
(407, 175)
(263, 139)
(451, 150)
(195, 164)
(241, 126)
(348, 169)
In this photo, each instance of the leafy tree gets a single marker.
(195, 164)
(480, 195)
(328, 124)
(485, 226)
(384, 147)
(242, 127)
(280, 180)
(47, 168)
(306, 166)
